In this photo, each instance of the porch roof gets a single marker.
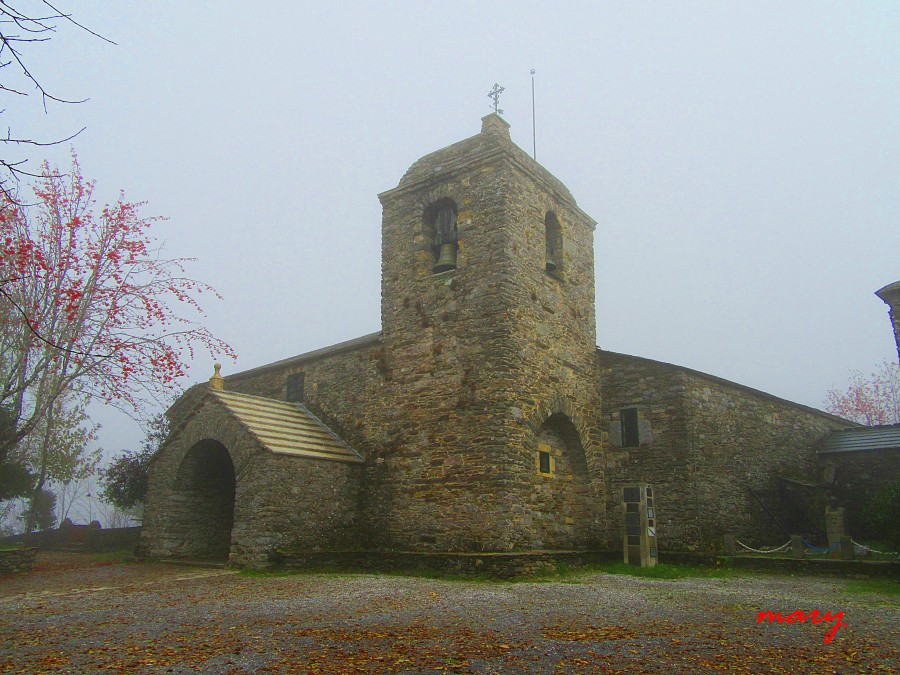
(286, 428)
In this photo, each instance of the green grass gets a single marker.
(123, 556)
(10, 547)
(883, 586)
(264, 573)
(664, 571)
(562, 573)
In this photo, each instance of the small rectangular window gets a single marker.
(544, 462)
(630, 431)
(295, 388)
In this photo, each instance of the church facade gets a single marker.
(482, 417)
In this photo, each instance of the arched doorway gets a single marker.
(201, 512)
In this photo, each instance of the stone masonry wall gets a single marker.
(744, 440)
(278, 500)
(340, 387)
(479, 357)
(664, 457)
(555, 331)
(17, 560)
(707, 446)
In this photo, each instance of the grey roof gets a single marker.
(492, 141)
(886, 437)
(347, 345)
(286, 428)
(889, 292)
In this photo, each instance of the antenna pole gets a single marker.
(533, 125)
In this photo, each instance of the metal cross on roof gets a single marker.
(495, 94)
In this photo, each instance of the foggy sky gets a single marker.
(740, 159)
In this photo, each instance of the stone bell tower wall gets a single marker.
(479, 357)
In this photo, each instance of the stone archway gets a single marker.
(562, 497)
(201, 511)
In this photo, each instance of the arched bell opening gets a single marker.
(442, 235)
(553, 244)
(202, 503)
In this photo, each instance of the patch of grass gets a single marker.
(883, 586)
(264, 573)
(11, 547)
(664, 571)
(111, 557)
(562, 573)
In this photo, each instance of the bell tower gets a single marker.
(488, 337)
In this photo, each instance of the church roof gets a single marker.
(493, 140)
(883, 437)
(286, 428)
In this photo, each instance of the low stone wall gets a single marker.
(497, 565)
(80, 537)
(842, 568)
(17, 560)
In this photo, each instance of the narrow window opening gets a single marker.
(543, 461)
(295, 383)
(630, 429)
(554, 244)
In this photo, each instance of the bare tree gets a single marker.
(24, 26)
(70, 495)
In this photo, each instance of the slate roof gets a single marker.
(347, 345)
(886, 437)
(286, 428)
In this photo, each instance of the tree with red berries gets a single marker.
(89, 306)
(869, 400)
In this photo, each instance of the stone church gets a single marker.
(482, 417)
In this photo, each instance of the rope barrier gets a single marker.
(872, 550)
(786, 547)
(781, 549)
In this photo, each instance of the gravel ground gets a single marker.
(77, 615)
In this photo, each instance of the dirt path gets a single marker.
(157, 619)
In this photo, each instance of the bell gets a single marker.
(446, 260)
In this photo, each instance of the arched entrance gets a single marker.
(201, 512)
(561, 497)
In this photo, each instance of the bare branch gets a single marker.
(20, 29)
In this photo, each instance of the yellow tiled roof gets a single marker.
(286, 428)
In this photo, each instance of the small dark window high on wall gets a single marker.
(440, 230)
(554, 244)
(631, 436)
(295, 388)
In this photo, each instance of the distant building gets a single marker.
(482, 417)
(891, 295)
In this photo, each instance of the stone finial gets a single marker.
(217, 382)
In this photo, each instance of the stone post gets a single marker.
(838, 537)
(797, 547)
(730, 546)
